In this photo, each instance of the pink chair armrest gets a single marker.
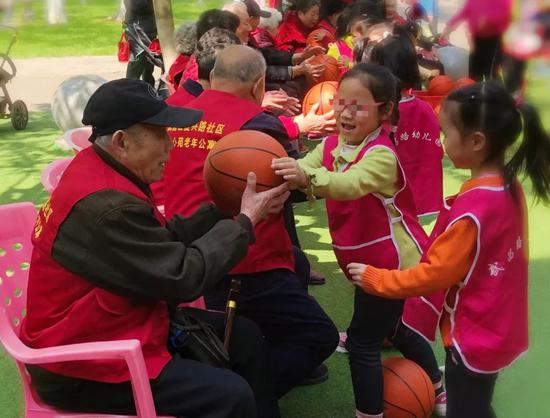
(129, 350)
(101, 350)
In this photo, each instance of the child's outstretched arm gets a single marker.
(289, 170)
(376, 172)
(449, 259)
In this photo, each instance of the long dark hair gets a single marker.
(488, 108)
(397, 53)
(382, 85)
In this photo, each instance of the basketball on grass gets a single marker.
(230, 161)
(408, 391)
(321, 93)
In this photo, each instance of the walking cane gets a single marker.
(230, 310)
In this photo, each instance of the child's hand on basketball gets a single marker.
(258, 206)
(356, 271)
(289, 170)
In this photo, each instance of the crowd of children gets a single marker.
(379, 168)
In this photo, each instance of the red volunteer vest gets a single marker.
(420, 153)
(180, 98)
(223, 113)
(489, 317)
(362, 229)
(64, 308)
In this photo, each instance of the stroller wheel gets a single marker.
(19, 115)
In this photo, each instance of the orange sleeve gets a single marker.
(448, 261)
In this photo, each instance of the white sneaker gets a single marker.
(440, 408)
(341, 348)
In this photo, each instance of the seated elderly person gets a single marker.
(106, 265)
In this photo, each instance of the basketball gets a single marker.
(441, 85)
(463, 82)
(321, 93)
(408, 391)
(230, 161)
(325, 35)
(331, 73)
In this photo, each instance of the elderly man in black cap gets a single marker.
(106, 265)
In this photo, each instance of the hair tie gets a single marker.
(519, 101)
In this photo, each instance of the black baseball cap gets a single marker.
(122, 103)
(254, 9)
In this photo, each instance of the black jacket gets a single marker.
(113, 240)
(143, 13)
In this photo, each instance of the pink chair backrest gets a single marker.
(16, 226)
(52, 173)
(77, 139)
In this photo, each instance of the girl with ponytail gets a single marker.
(371, 217)
(474, 274)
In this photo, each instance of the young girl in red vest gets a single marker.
(475, 270)
(371, 216)
(417, 133)
(350, 29)
(298, 25)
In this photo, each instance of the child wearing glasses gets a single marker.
(371, 217)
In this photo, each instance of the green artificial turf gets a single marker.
(520, 391)
(89, 30)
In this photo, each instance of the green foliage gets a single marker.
(89, 30)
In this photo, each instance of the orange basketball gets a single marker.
(331, 73)
(325, 36)
(463, 82)
(230, 161)
(321, 93)
(408, 391)
(441, 85)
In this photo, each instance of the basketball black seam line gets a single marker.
(409, 386)
(235, 177)
(401, 409)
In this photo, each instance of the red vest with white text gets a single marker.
(223, 113)
(489, 316)
(362, 229)
(65, 308)
(420, 153)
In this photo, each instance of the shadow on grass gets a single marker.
(24, 154)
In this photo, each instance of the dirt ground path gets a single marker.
(38, 78)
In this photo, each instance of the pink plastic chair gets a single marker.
(77, 139)
(16, 225)
(52, 173)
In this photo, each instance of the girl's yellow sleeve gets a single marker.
(376, 172)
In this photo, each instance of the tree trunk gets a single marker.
(56, 12)
(165, 29)
(119, 15)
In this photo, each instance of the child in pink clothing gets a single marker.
(474, 276)
(417, 132)
(487, 21)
